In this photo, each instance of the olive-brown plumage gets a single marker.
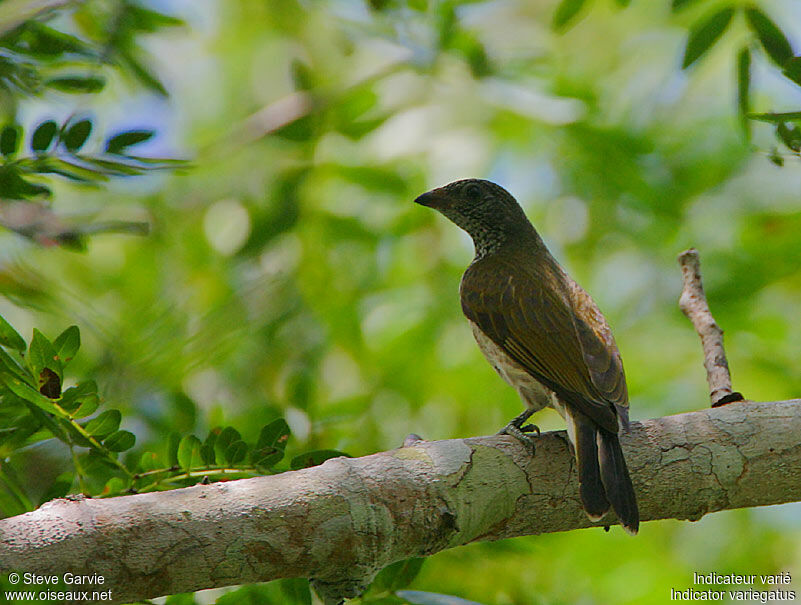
(545, 336)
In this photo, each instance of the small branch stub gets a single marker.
(693, 304)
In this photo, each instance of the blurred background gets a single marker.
(288, 273)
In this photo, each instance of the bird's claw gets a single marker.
(516, 429)
(516, 432)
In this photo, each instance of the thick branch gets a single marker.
(693, 304)
(339, 523)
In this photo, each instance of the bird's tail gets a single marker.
(603, 476)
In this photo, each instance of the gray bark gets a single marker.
(341, 522)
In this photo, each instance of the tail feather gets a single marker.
(591, 486)
(616, 480)
(604, 480)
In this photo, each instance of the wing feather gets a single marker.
(530, 317)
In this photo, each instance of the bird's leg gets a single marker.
(516, 429)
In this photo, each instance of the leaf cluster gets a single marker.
(36, 407)
(766, 37)
(40, 55)
(59, 150)
(36, 57)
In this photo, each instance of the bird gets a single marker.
(546, 337)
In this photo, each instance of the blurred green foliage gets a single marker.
(288, 275)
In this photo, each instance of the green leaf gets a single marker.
(15, 187)
(776, 158)
(9, 337)
(76, 134)
(50, 422)
(10, 365)
(42, 354)
(97, 462)
(77, 84)
(114, 487)
(9, 140)
(792, 69)
(296, 591)
(398, 575)
(314, 458)
(67, 344)
(13, 499)
(770, 36)
(26, 392)
(744, 87)
(473, 51)
(188, 598)
(226, 437)
(302, 75)
(207, 449)
(120, 441)
(119, 142)
(150, 461)
(146, 20)
(104, 424)
(112, 168)
(776, 118)
(269, 449)
(48, 43)
(80, 173)
(790, 135)
(25, 432)
(189, 453)
(172, 448)
(236, 452)
(43, 136)
(59, 488)
(159, 163)
(704, 35)
(74, 398)
(298, 130)
(274, 434)
(143, 74)
(677, 5)
(88, 406)
(566, 12)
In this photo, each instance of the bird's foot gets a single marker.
(411, 439)
(516, 429)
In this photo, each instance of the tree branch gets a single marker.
(693, 304)
(341, 522)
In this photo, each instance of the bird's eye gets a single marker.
(472, 192)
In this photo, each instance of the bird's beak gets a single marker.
(436, 198)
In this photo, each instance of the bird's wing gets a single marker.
(600, 350)
(530, 318)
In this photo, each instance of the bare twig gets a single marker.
(38, 222)
(296, 105)
(693, 304)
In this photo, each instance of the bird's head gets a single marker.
(485, 210)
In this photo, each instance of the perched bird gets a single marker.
(546, 337)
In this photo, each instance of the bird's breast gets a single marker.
(531, 391)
